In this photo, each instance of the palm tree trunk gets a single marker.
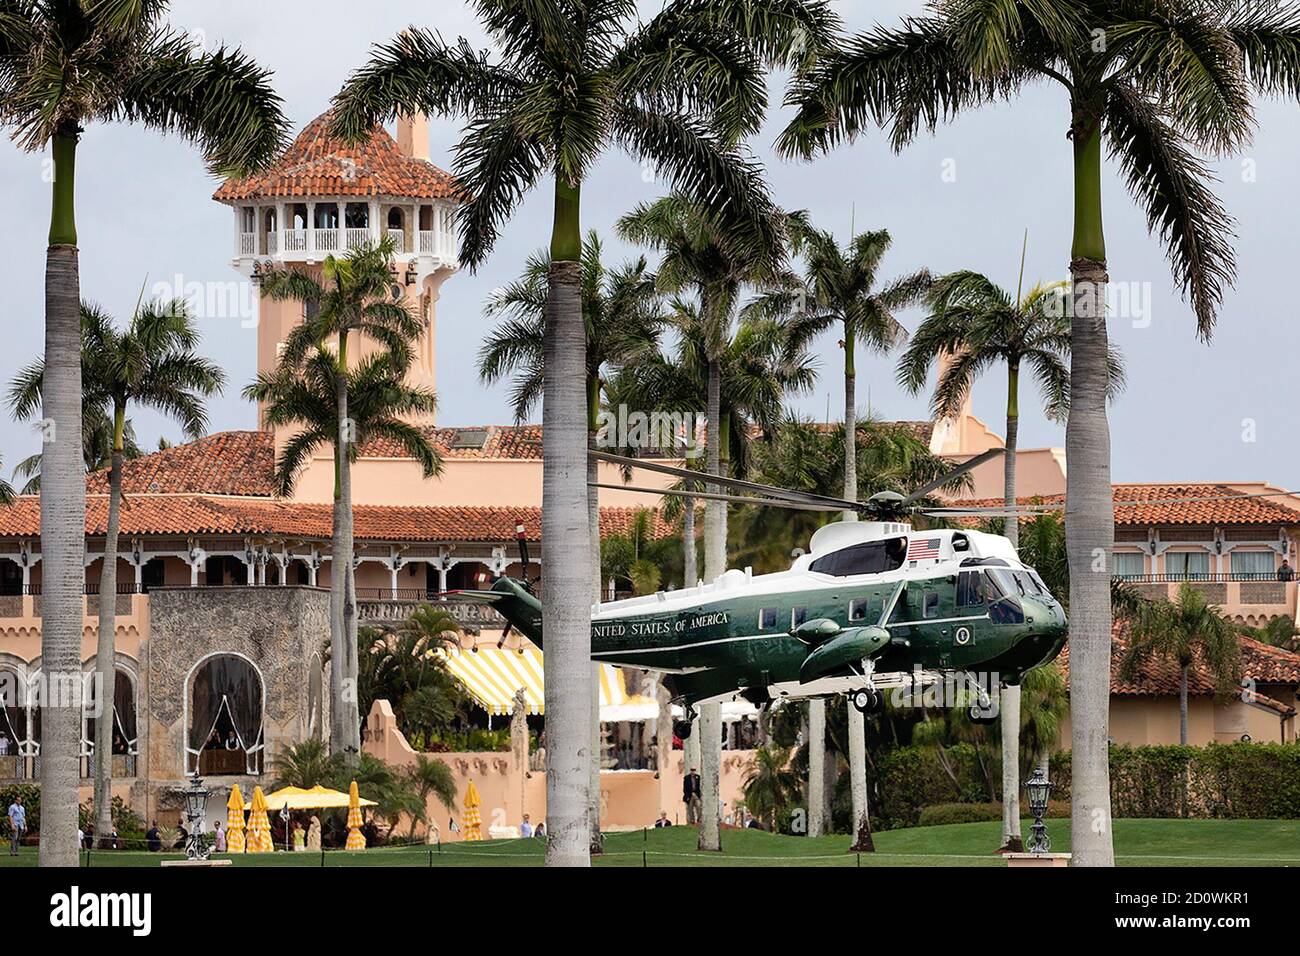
(715, 564)
(63, 521)
(1089, 515)
(106, 650)
(862, 841)
(1182, 704)
(566, 563)
(348, 723)
(816, 766)
(1009, 709)
(593, 526)
(850, 427)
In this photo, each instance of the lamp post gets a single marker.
(1039, 789)
(196, 803)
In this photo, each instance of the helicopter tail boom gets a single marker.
(513, 601)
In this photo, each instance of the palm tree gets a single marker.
(770, 786)
(980, 325)
(403, 664)
(638, 557)
(304, 765)
(303, 392)
(574, 78)
(1280, 631)
(1156, 82)
(151, 364)
(1044, 706)
(839, 289)
(1186, 630)
(97, 447)
(62, 66)
(621, 320)
(430, 777)
(351, 297)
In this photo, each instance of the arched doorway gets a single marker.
(225, 704)
(124, 742)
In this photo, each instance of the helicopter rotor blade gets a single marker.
(737, 484)
(942, 480)
(714, 496)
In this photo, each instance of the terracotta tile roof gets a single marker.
(317, 164)
(1167, 505)
(213, 514)
(1159, 677)
(486, 441)
(226, 463)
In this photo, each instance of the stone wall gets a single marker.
(282, 630)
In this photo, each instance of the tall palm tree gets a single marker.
(303, 392)
(63, 65)
(839, 288)
(403, 665)
(351, 297)
(1155, 82)
(742, 375)
(638, 557)
(980, 325)
(572, 79)
(152, 363)
(1187, 630)
(621, 321)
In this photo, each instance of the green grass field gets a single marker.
(1137, 843)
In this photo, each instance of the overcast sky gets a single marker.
(961, 199)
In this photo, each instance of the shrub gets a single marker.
(941, 813)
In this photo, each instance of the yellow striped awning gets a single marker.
(492, 675)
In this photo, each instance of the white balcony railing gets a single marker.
(397, 238)
(295, 240)
(357, 238)
(427, 242)
(247, 243)
(325, 240)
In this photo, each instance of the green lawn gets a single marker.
(1137, 843)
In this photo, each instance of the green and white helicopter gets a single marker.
(872, 605)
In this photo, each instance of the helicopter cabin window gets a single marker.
(970, 589)
(1004, 600)
(858, 609)
(798, 616)
(871, 557)
(767, 619)
(931, 603)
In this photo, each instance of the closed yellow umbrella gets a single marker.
(355, 839)
(259, 825)
(235, 821)
(472, 820)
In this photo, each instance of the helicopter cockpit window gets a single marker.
(871, 557)
(1004, 597)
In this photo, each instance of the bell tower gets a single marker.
(325, 197)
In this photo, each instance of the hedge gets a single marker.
(1237, 780)
(1228, 781)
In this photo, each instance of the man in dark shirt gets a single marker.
(154, 838)
(691, 796)
(1286, 572)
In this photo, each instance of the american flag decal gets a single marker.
(923, 549)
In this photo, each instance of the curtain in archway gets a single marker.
(230, 686)
(13, 714)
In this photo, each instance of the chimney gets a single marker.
(413, 135)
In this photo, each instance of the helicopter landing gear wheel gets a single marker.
(682, 729)
(981, 717)
(867, 700)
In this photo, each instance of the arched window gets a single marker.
(225, 702)
(13, 720)
(314, 694)
(124, 740)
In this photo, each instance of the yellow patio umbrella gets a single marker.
(317, 798)
(235, 821)
(472, 820)
(259, 825)
(355, 840)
